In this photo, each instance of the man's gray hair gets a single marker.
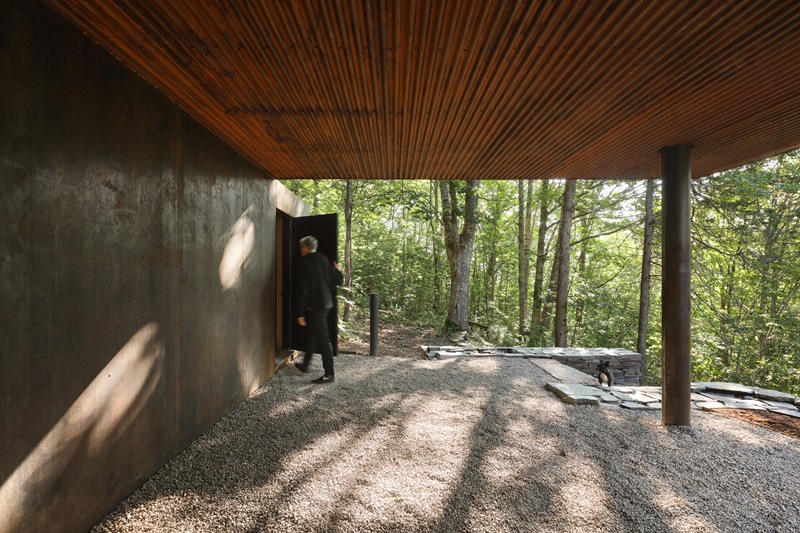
(309, 242)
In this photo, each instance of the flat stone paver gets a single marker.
(729, 388)
(563, 372)
(576, 387)
(707, 396)
(622, 396)
(774, 395)
(581, 400)
(787, 406)
(633, 405)
(709, 405)
(640, 397)
(609, 398)
(793, 414)
(746, 404)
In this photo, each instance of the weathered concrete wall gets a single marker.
(136, 276)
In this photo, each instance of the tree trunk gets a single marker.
(459, 249)
(562, 288)
(491, 277)
(550, 297)
(726, 316)
(524, 239)
(348, 250)
(644, 299)
(580, 304)
(315, 201)
(538, 279)
(437, 288)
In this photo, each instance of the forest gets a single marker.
(578, 263)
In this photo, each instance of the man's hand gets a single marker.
(301, 320)
(336, 265)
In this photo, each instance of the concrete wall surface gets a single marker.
(136, 276)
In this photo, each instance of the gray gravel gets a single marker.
(399, 444)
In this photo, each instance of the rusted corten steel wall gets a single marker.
(136, 276)
(470, 89)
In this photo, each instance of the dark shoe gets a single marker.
(323, 379)
(301, 368)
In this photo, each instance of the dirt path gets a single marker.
(394, 340)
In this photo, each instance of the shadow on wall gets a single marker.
(102, 441)
(136, 264)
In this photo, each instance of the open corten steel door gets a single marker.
(326, 229)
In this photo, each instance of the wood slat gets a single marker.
(511, 89)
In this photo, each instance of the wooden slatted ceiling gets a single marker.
(396, 89)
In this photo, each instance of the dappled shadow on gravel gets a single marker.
(404, 444)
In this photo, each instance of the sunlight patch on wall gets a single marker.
(241, 238)
(103, 412)
(124, 385)
(250, 364)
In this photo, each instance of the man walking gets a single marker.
(317, 275)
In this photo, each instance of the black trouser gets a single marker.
(318, 340)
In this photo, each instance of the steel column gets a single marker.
(675, 286)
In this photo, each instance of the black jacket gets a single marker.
(316, 279)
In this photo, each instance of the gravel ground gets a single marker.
(401, 444)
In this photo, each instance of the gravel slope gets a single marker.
(399, 444)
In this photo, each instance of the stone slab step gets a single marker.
(581, 400)
(725, 387)
(793, 414)
(563, 390)
(637, 406)
(563, 373)
(775, 396)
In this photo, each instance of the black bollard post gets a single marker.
(373, 324)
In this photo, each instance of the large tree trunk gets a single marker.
(550, 298)
(490, 279)
(580, 304)
(348, 250)
(437, 288)
(538, 278)
(459, 249)
(644, 299)
(524, 238)
(562, 289)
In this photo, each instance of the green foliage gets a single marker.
(746, 265)
(746, 308)
(395, 230)
(606, 287)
